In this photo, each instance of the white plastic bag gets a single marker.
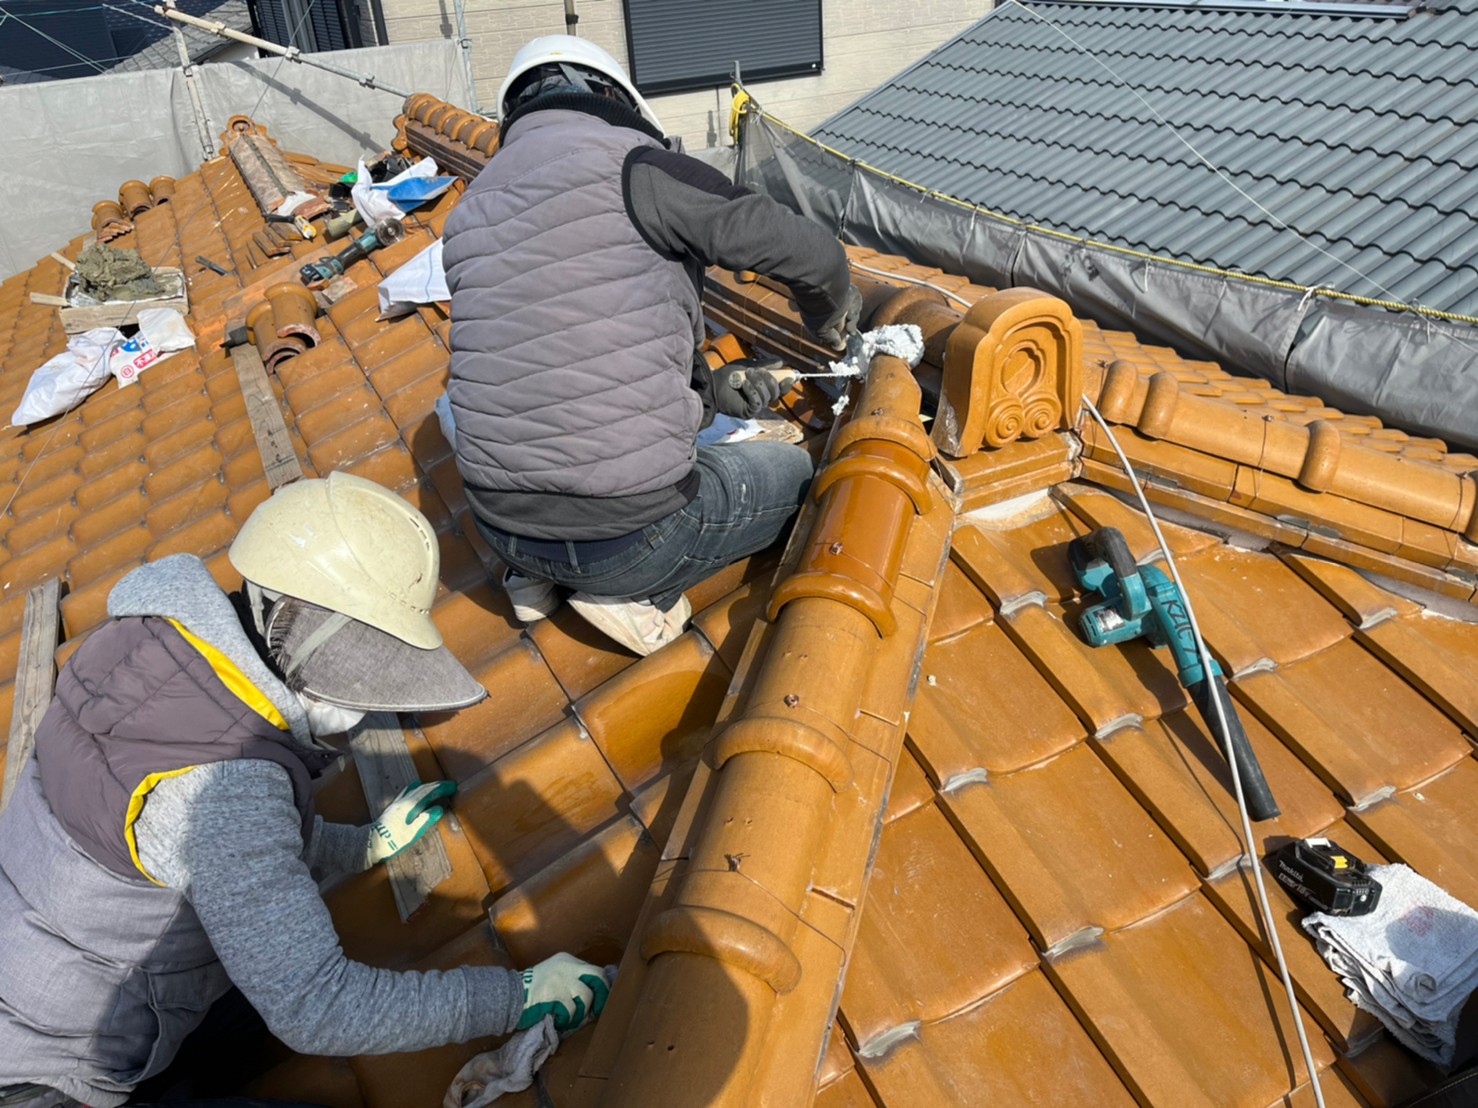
(166, 329)
(69, 378)
(370, 199)
(420, 280)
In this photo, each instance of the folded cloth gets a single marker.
(1412, 963)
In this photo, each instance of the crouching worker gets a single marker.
(575, 262)
(162, 847)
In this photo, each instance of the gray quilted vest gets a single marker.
(103, 972)
(572, 339)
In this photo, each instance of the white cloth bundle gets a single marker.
(1412, 963)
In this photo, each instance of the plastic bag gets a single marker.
(419, 280)
(162, 332)
(69, 378)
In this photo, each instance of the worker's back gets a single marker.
(572, 339)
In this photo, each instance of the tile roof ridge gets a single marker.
(1318, 456)
(776, 800)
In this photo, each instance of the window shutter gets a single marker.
(691, 44)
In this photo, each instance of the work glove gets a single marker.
(409, 816)
(833, 329)
(571, 991)
(745, 388)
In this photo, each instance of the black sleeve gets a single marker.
(686, 209)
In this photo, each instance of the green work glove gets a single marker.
(409, 816)
(745, 388)
(571, 991)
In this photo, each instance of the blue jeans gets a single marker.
(748, 493)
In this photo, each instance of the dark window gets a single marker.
(690, 44)
(310, 25)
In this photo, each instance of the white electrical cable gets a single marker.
(910, 280)
(1251, 853)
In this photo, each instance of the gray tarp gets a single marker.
(1415, 373)
(74, 142)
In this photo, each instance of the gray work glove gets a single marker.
(745, 388)
(833, 329)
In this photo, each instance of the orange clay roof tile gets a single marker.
(926, 892)
(1071, 846)
(1181, 778)
(523, 699)
(1359, 725)
(1322, 994)
(585, 902)
(1166, 1052)
(1431, 828)
(529, 807)
(1021, 1045)
(656, 714)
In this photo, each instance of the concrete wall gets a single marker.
(865, 43)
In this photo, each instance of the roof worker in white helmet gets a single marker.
(161, 845)
(575, 262)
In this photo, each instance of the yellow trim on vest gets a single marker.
(236, 681)
(136, 807)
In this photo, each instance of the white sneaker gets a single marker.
(638, 625)
(532, 598)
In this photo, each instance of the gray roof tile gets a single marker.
(1362, 133)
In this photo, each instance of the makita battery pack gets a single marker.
(1322, 875)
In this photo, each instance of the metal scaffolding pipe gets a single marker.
(464, 44)
(291, 53)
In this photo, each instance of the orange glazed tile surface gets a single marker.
(1037, 897)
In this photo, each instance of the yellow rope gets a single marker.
(748, 107)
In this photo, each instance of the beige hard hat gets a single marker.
(349, 545)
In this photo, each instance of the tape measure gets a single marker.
(1322, 875)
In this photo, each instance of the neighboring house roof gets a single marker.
(879, 828)
(1355, 129)
(149, 42)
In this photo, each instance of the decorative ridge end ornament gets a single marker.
(1013, 369)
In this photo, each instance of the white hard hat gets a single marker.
(349, 545)
(554, 49)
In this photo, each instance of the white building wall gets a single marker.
(864, 43)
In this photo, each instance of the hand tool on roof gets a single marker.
(214, 267)
(1143, 602)
(383, 233)
(306, 229)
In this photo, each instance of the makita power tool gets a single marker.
(1143, 602)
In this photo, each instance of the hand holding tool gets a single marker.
(1142, 602)
(745, 388)
(384, 233)
(409, 816)
(562, 986)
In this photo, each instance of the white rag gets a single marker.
(1412, 963)
(510, 1068)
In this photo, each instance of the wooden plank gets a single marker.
(35, 678)
(66, 261)
(274, 443)
(50, 300)
(385, 767)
